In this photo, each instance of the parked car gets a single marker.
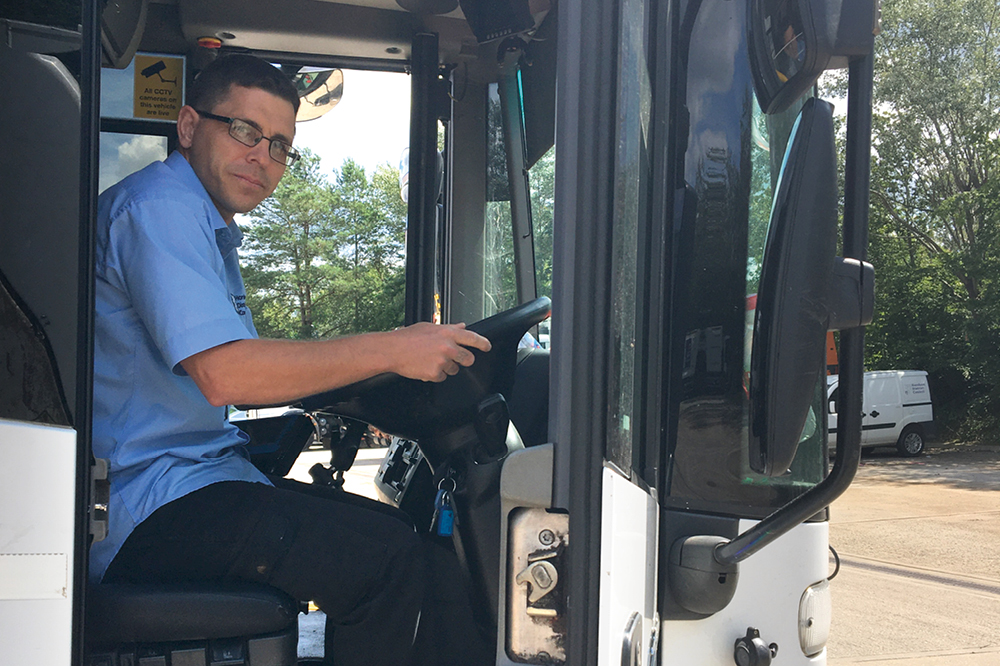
(897, 410)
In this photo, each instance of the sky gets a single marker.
(369, 125)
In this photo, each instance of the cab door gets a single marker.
(604, 358)
(44, 403)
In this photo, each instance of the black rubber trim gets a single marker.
(879, 426)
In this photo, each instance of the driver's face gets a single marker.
(237, 177)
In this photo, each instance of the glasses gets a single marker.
(248, 135)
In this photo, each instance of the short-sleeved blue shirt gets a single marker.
(168, 286)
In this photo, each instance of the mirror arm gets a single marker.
(819, 497)
(852, 340)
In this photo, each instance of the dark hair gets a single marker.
(213, 83)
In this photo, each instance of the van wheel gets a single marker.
(911, 442)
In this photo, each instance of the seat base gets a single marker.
(220, 624)
(277, 649)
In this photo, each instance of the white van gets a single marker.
(897, 410)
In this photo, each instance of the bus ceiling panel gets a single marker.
(373, 29)
(162, 33)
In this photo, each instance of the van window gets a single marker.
(834, 397)
(881, 391)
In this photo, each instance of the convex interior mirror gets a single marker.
(792, 42)
(319, 91)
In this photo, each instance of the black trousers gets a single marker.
(390, 597)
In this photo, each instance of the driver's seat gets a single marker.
(191, 625)
(151, 625)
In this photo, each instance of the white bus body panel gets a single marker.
(629, 538)
(38, 490)
(767, 598)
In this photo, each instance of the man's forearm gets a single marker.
(271, 372)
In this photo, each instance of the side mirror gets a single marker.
(788, 356)
(792, 42)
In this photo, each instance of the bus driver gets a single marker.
(175, 344)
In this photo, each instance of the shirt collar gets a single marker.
(227, 236)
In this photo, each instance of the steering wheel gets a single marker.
(418, 410)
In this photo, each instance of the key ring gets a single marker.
(454, 485)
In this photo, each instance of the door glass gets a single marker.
(541, 180)
(732, 160)
(631, 172)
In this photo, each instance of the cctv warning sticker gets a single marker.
(159, 87)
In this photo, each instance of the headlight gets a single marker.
(815, 612)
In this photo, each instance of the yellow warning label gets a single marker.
(159, 82)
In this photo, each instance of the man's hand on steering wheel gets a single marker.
(433, 352)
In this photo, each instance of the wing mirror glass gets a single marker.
(788, 356)
(792, 42)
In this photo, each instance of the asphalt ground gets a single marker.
(919, 543)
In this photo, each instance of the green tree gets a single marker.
(934, 213)
(325, 258)
(371, 226)
(285, 266)
(542, 179)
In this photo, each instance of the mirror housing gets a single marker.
(792, 42)
(788, 357)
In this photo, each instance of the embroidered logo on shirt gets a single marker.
(239, 303)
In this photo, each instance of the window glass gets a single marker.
(124, 154)
(500, 281)
(541, 180)
(631, 172)
(732, 157)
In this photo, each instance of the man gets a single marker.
(175, 344)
